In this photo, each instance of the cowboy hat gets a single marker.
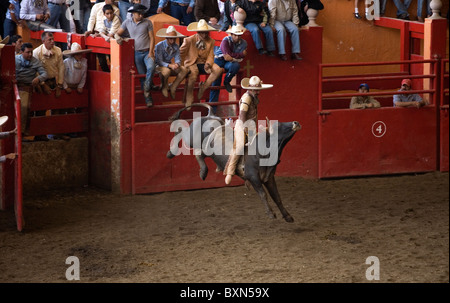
(254, 83)
(169, 32)
(3, 119)
(75, 48)
(3, 42)
(138, 8)
(236, 30)
(200, 26)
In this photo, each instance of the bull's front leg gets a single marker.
(271, 186)
(257, 185)
(203, 166)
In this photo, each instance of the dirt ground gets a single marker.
(224, 235)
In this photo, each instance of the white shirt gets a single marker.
(76, 72)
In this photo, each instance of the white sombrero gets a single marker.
(75, 48)
(169, 32)
(236, 30)
(200, 26)
(3, 119)
(3, 42)
(254, 83)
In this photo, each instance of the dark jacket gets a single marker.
(228, 10)
(254, 10)
(205, 9)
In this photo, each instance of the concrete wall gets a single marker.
(54, 164)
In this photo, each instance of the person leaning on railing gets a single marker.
(363, 102)
(408, 100)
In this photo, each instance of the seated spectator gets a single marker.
(3, 42)
(231, 52)
(402, 8)
(16, 41)
(256, 21)
(3, 135)
(12, 18)
(198, 53)
(29, 75)
(36, 13)
(420, 8)
(75, 68)
(363, 102)
(166, 51)
(183, 10)
(408, 100)
(207, 10)
(284, 17)
(52, 60)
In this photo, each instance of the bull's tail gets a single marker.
(176, 115)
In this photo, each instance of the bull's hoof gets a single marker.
(170, 155)
(288, 218)
(203, 174)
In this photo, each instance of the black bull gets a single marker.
(250, 171)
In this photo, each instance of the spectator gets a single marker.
(97, 16)
(58, 14)
(3, 42)
(363, 102)
(183, 10)
(382, 7)
(248, 110)
(356, 13)
(75, 68)
(36, 13)
(207, 10)
(12, 18)
(229, 8)
(304, 5)
(141, 30)
(3, 135)
(97, 25)
(198, 53)
(16, 41)
(29, 75)
(284, 17)
(408, 100)
(166, 51)
(221, 5)
(231, 52)
(257, 21)
(111, 23)
(52, 60)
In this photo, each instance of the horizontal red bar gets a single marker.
(59, 124)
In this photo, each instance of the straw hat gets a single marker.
(254, 83)
(75, 48)
(3, 42)
(169, 32)
(200, 26)
(236, 30)
(3, 119)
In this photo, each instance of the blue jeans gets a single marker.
(179, 12)
(268, 34)
(420, 7)
(123, 8)
(292, 29)
(383, 7)
(9, 28)
(58, 15)
(231, 69)
(144, 65)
